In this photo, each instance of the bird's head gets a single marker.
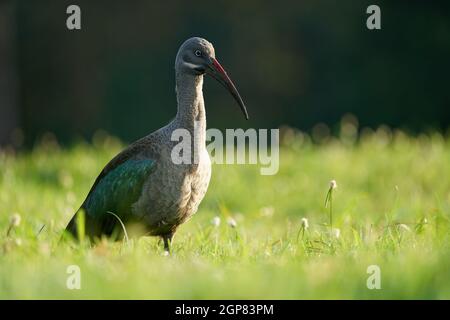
(196, 56)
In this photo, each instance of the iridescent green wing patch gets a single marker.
(118, 189)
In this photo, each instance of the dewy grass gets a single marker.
(392, 210)
(81, 225)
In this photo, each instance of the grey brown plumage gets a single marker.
(143, 184)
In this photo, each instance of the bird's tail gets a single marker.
(83, 226)
(71, 228)
(70, 231)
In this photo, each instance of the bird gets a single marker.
(143, 184)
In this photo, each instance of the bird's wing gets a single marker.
(115, 190)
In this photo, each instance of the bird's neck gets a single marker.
(191, 106)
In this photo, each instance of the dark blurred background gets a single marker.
(295, 62)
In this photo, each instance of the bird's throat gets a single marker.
(191, 107)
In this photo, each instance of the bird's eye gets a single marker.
(198, 53)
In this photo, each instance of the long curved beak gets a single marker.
(216, 71)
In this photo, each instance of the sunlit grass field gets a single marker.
(391, 206)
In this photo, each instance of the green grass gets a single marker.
(392, 207)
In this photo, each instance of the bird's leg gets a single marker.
(167, 238)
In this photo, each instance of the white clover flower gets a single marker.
(336, 233)
(267, 211)
(15, 220)
(215, 221)
(404, 227)
(305, 224)
(333, 184)
(232, 223)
